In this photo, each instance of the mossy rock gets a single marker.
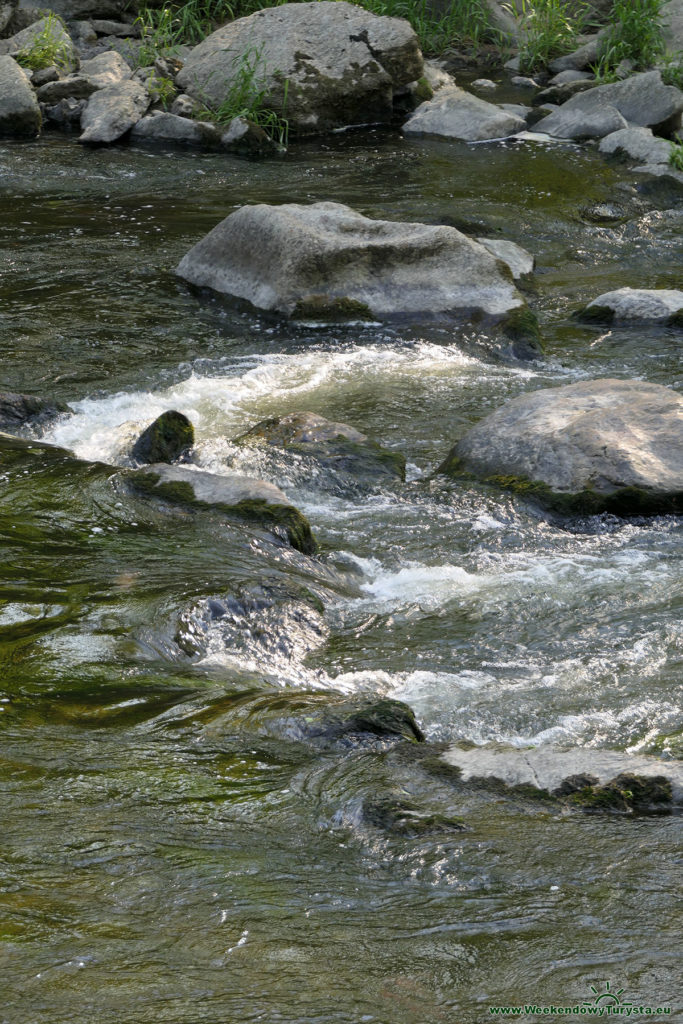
(168, 439)
(337, 447)
(243, 499)
(520, 325)
(331, 309)
(594, 314)
(626, 794)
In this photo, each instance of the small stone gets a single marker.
(169, 438)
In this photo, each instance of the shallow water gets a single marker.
(174, 850)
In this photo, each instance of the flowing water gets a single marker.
(173, 849)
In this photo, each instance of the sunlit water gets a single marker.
(173, 848)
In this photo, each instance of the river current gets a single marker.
(172, 851)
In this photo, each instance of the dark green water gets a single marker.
(173, 848)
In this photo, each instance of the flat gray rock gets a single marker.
(582, 124)
(641, 100)
(168, 128)
(457, 114)
(76, 87)
(580, 59)
(327, 261)
(548, 768)
(19, 110)
(112, 111)
(336, 63)
(637, 143)
(105, 69)
(616, 444)
(639, 304)
(518, 259)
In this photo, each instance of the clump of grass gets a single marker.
(245, 97)
(550, 27)
(672, 69)
(635, 34)
(46, 49)
(676, 156)
(463, 23)
(162, 90)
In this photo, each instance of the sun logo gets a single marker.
(606, 998)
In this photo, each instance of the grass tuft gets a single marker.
(46, 49)
(550, 29)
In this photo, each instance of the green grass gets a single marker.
(676, 157)
(463, 23)
(245, 96)
(46, 49)
(550, 27)
(635, 33)
(672, 69)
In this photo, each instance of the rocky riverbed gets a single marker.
(309, 711)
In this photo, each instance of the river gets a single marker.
(172, 849)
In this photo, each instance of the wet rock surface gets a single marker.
(169, 438)
(242, 496)
(336, 447)
(596, 445)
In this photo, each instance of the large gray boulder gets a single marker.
(49, 29)
(327, 261)
(112, 111)
(19, 110)
(457, 114)
(242, 497)
(613, 445)
(321, 65)
(663, 304)
(638, 144)
(641, 100)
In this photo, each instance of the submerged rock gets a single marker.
(17, 410)
(167, 439)
(597, 780)
(243, 497)
(160, 126)
(324, 65)
(457, 114)
(326, 260)
(659, 304)
(601, 445)
(336, 446)
(19, 110)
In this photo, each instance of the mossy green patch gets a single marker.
(594, 314)
(520, 325)
(331, 308)
(627, 794)
(625, 502)
(285, 521)
(423, 90)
